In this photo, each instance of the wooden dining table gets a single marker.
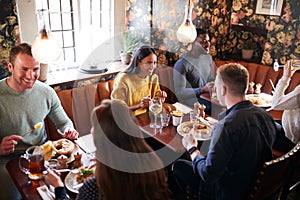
(276, 114)
(166, 136)
(27, 187)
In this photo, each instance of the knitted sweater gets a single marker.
(130, 88)
(20, 111)
(290, 103)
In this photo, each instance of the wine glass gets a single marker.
(296, 65)
(155, 107)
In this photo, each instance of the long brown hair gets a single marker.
(140, 54)
(127, 167)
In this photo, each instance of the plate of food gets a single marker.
(200, 130)
(260, 100)
(74, 181)
(60, 148)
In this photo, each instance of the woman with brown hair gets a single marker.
(127, 167)
(137, 84)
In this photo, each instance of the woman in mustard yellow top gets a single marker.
(137, 84)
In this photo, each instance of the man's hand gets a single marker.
(71, 133)
(208, 87)
(8, 144)
(189, 141)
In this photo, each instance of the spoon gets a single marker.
(37, 127)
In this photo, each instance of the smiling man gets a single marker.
(194, 72)
(25, 102)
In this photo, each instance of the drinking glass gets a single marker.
(296, 65)
(193, 116)
(165, 118)
(34, 159)
(155, 107)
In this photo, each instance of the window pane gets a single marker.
(80, 28)
(54, 6)
(58, 37)
(67, 21)
(65, 6)
(55, 22)
(68, 38)
(85, 6)
(69, 54)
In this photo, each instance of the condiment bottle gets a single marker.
(77, 162)
(202, 108)
(197, 108)
(62, 162)
(251, 88)
(257, 88)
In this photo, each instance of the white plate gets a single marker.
(260, 100)
(70, 182)
(198, 135)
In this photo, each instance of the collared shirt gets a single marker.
(241, 142)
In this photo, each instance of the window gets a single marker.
(79, 25)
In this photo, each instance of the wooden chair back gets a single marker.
(274, 175)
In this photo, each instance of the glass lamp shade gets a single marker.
(187, 32)
(45, 48)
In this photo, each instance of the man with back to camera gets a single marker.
(241, 142)
(194, 72)
(25, 102)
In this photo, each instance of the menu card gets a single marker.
(86, 143)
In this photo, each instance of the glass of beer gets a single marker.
(32, 162)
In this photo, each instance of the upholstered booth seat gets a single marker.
(78, 102)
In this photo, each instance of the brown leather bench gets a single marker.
(259, 73)
(95, 93)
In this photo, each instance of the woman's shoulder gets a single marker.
(89, 190)
(122, 76)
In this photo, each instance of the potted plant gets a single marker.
(248, 48)
(130, 44)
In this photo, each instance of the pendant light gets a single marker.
(45, 47)
(187, 32)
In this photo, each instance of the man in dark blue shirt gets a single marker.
(241, 142)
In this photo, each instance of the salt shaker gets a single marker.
(251, 88)
(258, 88)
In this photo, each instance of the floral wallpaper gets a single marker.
(9, 33)
(278, 38)
(155, 22)
(283, 32)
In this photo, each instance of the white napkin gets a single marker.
(185, 109)
(42, 190)
(86, 143)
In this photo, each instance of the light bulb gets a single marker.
(45, 48)
(187, 32)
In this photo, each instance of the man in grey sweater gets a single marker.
(25, 102)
